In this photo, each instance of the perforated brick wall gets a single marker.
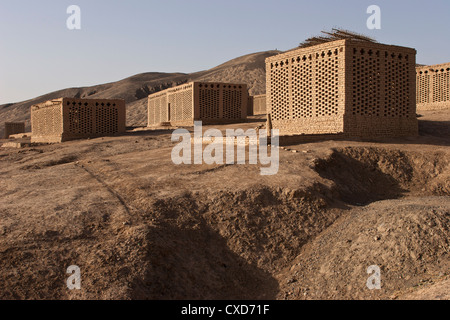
(233, 97)
(209, 102)
(157, 108)
(259, 104)
(303, 89)
(47, 121)
(250, 106)
(180, 103)
(358, 89)
(68, 119)
(14, 128)
(433, 87)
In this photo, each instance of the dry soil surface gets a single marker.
(140, 227)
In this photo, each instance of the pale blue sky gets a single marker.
(38, 54)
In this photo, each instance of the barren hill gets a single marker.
(249, 69)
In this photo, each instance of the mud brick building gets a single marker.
(344, 88)
(250, 106)
(69, 119)
(212, 103)
(433, 87)
(14, 128)
(259, 104)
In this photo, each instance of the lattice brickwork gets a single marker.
(423, 87)
(107, 118)
(433, 87)
(209, 102)
(157, 108)
(440, 85)
(250, 106)
(67, 119)
(366, 85)
(233, 99)
(259, 105)
(79, 117)
(304, 90)
(180, 100)
(47, 121)
(343, 87)
(397, 85)
(220, 102)
(14, 128)
(382, 102)
(279, 90)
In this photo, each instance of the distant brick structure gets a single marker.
(433, 87)
(345, 87)
(14, 128)
(212, 103)
(66, 119)
(250, 106)
(259, 105)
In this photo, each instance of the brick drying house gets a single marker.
(212, 103)
(250, 106)
(14, 128)
(345, 88)
(259, 105)
(433, 87)
(69, 119)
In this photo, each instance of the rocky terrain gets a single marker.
(140, 227)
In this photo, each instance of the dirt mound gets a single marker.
(266, 226)
(427, 291)
(407, 239)
(140, 227)
(364, 175)
(186, 257)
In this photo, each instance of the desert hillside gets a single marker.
(249, 69)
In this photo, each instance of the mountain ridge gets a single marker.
(249, 69)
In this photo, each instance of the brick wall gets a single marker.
(157, 108)
(433, 87)
(14, 128)
(259, 104)
(210, 102)
(250, 106)
(381, 90)
(359, 89)
(68, 119)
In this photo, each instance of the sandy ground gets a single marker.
(140, 227)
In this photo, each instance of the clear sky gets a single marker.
(118, 38)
